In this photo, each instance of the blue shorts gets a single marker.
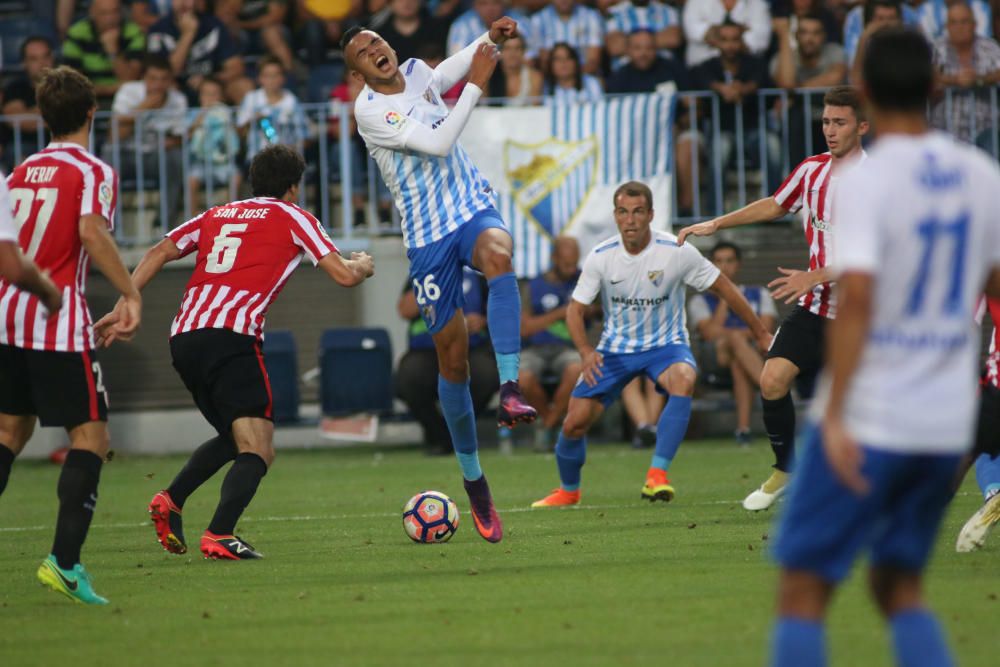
(620, 368)
(436, 269)
(825, 525)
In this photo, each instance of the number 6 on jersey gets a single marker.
(223, 253)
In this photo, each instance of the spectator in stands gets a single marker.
(106, 48)
(212, 143)
(417, 373)
(814, 62)
(342, 95)
(703, 21)
(409, 26)
(320, 26)
(271, 114)
(735, 76)
(468, 27)
(866, 17)
(150, 117)
(660, 19)
(931, 16)
(792, 11)
(564, 80)
(198, 44)
(645, 69)
(258, 26)
(147, 12)
(570, 22)
(967, 65)
(547, 350)
(733, 345)
(516, 80)
(19, 98)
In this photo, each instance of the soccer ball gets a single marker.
(430, 516)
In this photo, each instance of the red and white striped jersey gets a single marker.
(247, 250)
(992, 375)
(810, 188)
(50, 191)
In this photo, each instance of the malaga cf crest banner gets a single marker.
(555, 168)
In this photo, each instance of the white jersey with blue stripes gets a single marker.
(643, 294)
(434, 195)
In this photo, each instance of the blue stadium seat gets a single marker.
(13, 32)
(281, 360)
(355, 371)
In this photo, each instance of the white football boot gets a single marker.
(977, 528)
(768, 492)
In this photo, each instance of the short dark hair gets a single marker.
(634, 189)
(156, 61)
(350, 34)
(274, 170)
(898, 70)
(32, 39)
(726, 245)
(270, 60)
(65, 98)
(871, 5)
(845, 96)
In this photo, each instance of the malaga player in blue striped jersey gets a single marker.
(449, 220)
(642, 276)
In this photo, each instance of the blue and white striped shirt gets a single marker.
(468, 27)
(434, 195)
(932, 15)
(627, 18)
(592, 91)
(643, 294)
(583, 29)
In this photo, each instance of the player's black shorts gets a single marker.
(988, 424)
(800, 339)
(224, 371)
(63, 388)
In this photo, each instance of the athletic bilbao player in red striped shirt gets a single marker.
(64, 202)
(798, 344)
(246, 251)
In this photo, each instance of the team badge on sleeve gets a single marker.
(395, 120)
(104, 194)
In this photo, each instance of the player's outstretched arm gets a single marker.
(21, 272)
(348, 272)
(454, 69)
(103, 251)
(759, 211)
(724, 288)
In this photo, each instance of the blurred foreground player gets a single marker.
(64, 202)
(642, 276)
(247, 250)
(917, 241)
(449, 221)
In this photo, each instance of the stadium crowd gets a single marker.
(234, 74)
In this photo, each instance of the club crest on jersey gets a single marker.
(551, 180)
(429, 96)
(395, 120)
(655, 277)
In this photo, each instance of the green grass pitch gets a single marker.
(615, 582)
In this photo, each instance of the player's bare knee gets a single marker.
(681, 380)
(497, 261)
(16, 432)
(894, 590)
(772, 385)
(803, 595)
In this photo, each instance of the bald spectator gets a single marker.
(548, 350)
(967, 64)
(197, 45)
(703, 20)
(645, 68)
(106, 48)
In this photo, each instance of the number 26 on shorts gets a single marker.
(427, 291)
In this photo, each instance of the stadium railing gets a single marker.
(738, 161)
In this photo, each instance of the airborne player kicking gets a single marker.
(798, 344)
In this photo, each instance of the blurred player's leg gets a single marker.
(779, 420)
(166, 506)
(254, 440)
(452, 345)
(492, 255)
(571, 451)
(975, 531)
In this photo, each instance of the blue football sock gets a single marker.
(670, 430)
(797, 642)
(456, 404)
(503, 317)
(988, 474)
(570, 455)
(918, 640)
